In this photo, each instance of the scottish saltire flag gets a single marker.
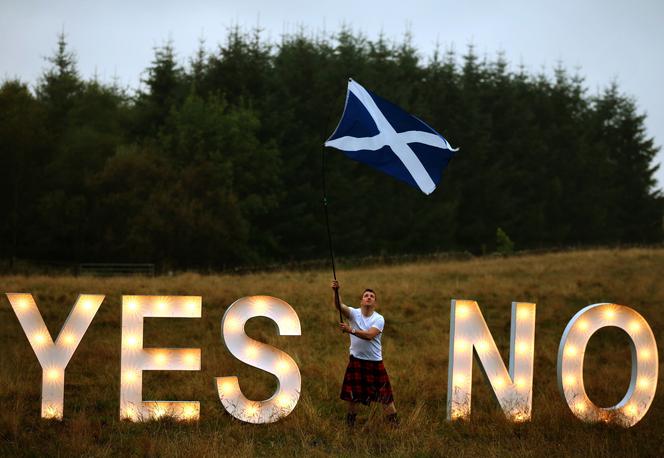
(382, 135)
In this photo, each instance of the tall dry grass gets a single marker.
(415, 300)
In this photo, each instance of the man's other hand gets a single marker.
(344, 327)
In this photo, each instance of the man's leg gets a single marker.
(352, 413)
(352, 407)
(391, 413)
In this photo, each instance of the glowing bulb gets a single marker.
(482, 345)
(570, 380)
(40, 338)
(462, 311)
(645, 354)
(53, 374)
(130, 376)
(631, 409)
(580, 406)
(609, 314)
(522, 314)
(499, 382)
(283, 401)
(520, 382)
(160, 358)
(23, 303)
(634, 326)
(522, 348)
(162, 306)
(571, 351)
(227, 388)
(131, 305)
(87, 305)
(461, 344)
(232, 324)
(583, 325)
(519, 417)
(460, 379)
(51, 412)
(130, 413)
(251, 410)
(251, 351)
(260, 306)
(68, 339)
(192, 305)
(131, 341)
(283, 366)
(189, 412)
(190, 358)
(643, 383)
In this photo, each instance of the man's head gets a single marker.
(368, 300)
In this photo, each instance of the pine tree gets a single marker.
(59, 86)
(166, 88)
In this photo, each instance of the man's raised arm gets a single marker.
(336, 300)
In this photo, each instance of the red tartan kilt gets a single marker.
(366, 381)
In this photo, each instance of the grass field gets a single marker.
(415, 300)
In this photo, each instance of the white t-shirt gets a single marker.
(366, 349)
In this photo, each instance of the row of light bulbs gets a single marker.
(642, 387)
(262, 356)
(469, 331)
(511, 389)
(468, 323)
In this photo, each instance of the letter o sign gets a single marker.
(634, 405)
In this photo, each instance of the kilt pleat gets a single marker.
(366, 381)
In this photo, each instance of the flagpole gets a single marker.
(337, 300)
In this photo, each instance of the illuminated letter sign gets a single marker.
(54, 357)
(643, 382)
(469, 331)
(262, 356)
(136, 359)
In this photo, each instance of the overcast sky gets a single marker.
(608, 40)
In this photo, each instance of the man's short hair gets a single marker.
(371, 291)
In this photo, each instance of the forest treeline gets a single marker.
(216, 162)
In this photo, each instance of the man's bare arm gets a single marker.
(345, 311)
(366, 335)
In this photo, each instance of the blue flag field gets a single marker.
(378, 133)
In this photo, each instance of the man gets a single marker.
(366, 379)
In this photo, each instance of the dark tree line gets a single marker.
(218, 162)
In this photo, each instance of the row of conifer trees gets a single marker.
(215, 161)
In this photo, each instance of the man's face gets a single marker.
(368, 299)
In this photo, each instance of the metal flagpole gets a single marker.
(337, 301)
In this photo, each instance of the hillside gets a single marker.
(415, 300)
